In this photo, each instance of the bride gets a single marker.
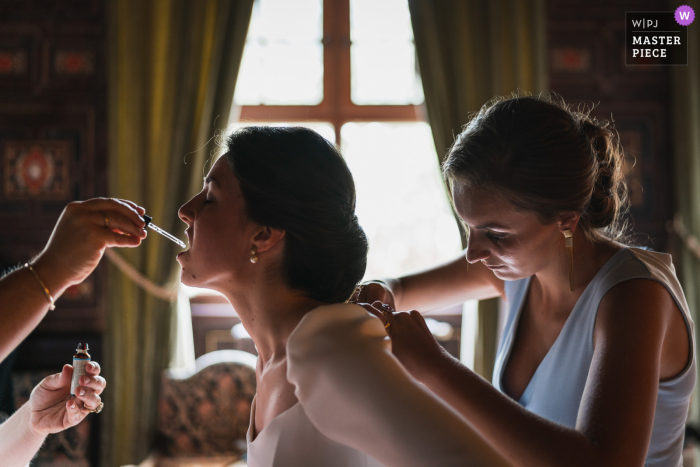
(274, 230)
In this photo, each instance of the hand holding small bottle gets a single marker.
(51, 405)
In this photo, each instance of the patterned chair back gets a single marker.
(206, 412)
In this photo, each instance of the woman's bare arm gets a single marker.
(24, 304)
(617, 410)
(72, 253)
(441, 286)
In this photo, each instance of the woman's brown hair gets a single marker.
(545, 157)
(294, 179)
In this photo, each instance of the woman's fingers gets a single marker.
(59, 380)
(122, 232)
(74, 413)
(378, 309)
(417, 316)
(372, 292)
(121, 240)
(138, 208)
(96, 383)
(93, 368)
(113, 205)
(88, 397)
(115, 221)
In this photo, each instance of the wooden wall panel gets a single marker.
(586, 64)
(52, 134)
(52, 151)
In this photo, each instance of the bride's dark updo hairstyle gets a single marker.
(545, 157)
(295, 180)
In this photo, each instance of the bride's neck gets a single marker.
(270, 313)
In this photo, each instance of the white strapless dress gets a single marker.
(291, 440)
(357, 406)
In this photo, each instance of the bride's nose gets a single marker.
(186, 213)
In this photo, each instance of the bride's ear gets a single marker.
(266, 238)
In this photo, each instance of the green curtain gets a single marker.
(470, 51)
(686, 122)
(172, 70)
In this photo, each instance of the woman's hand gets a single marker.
(52, 407)
(371, 292)
(411, 340)
(81, 235)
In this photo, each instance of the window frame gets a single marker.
(336, 107)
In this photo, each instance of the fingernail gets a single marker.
(72, 406)
(82, 391)
(85, 379)
(90, 366)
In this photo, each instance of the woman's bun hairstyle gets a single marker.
(547, 158)
(609, 189)
(295, 180)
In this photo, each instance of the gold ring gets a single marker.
(105, 219)
(387, 325)
(387, 309)
(97, 409)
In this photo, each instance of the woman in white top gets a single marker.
(597, 360)
(274, 230)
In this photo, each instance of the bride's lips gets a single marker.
(188, 233)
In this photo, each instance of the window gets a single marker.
(347, 69)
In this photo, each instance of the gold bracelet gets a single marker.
(43, 286)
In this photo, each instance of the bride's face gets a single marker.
(218, 231)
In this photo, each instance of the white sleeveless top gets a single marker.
(556, 388)
(357, 406)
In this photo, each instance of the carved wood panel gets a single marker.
(587, 64)
(52, 134)
(52, 151)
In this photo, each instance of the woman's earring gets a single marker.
(253, 255)
(569, 243)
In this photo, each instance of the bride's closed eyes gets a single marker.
(207, 181)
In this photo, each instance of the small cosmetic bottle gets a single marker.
(80, 360)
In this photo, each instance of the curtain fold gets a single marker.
(686, 138)
(470, 51)
(173, 65)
